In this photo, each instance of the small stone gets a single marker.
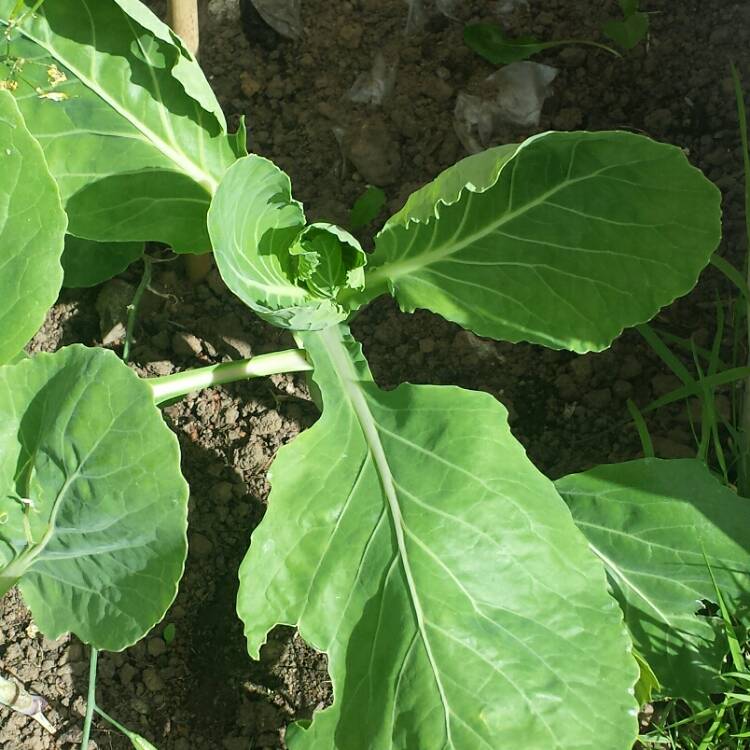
(630, 368)
(567, 387)
(569, 118)
(622, 389)
(152, 680)
(582, 368)
(598, 399)
(374, 152)
(127, 673)
(250, 87)
(156, 647)
(426, 345)
(351, 35)
(658, 121)
(186, 344)
(200, 545)
(112, 307)
(240, 346)
(222, 492)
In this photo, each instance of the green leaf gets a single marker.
(288, 273)
(129, 127)
(580, 236)
(95, 533)
(494, 45)
(628, 32)
(629, 7)
(140, 743)
(409, 537)
(366, 208)
(490, 42)
(649, 521)
(647, 685)
(88, 263)
(170, 631)
(32, 230)
(474, 173)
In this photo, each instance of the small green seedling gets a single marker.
(631, 29)
(170, 631)
(366, 208)
(494, 45)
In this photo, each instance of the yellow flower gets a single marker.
(55, 75)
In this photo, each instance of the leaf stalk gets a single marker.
(169, 387)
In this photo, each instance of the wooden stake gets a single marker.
(182, 16)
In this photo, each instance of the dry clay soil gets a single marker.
(201, 691)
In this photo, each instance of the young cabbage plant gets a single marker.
(407, 535)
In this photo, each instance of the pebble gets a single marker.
(127, 673)
(374, 152)
(156, 647)
(598, 399)
(152, 680)
(630, 367)
(186, 344)
(200, 545)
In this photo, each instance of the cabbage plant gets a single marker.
(463, 599)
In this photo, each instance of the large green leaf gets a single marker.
(93, 504)
(650, 522)
(32, 231)
(288, 273)
(409, 537)
(580, 235)
(473, 173)
(132, 134)
(88, 263)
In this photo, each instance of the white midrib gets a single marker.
(348, 376)
(181, 160)
(393, 271)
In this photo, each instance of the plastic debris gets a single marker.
(283, 16)
(505, 7)
(521, 90)
(16, 697)
(374, 86)
(421, 10)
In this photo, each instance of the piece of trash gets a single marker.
(374, 86)
(15, 696)
(283, 16)
(421, 10)
(505, 7)
(447, 8)
(416, 18)
(521, 90)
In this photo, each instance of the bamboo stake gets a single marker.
(182, 16)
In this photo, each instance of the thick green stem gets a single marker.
(180, 384)
(134, 305)
(90, 700)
